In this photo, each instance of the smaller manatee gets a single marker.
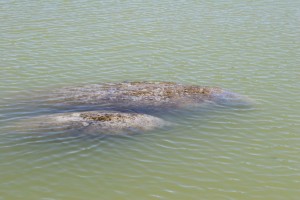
(94, 122)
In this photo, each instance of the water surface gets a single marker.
(249, 47)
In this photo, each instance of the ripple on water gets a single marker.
(251, 48)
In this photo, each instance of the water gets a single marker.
(249, 47)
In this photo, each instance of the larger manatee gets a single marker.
(144, 95)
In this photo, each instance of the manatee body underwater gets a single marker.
(144, 95)
(95, 122)
(104, 104)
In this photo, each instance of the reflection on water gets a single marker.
(215, 151)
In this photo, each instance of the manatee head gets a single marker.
(227, 98)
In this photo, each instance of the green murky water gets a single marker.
(249, 47)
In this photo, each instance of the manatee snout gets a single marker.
(227, 98)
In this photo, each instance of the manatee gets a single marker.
(113, 99)
(94, 122)
(144, 95)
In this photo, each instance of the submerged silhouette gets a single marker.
(140, 97)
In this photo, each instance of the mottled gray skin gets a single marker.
(105, 122)
(141, 95)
